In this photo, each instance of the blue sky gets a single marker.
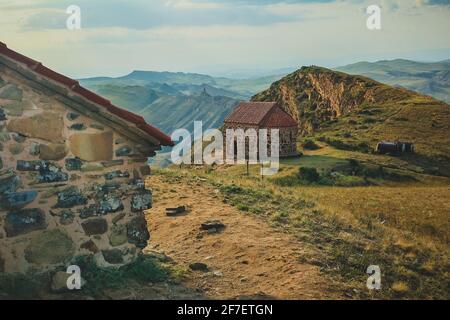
(221, 37)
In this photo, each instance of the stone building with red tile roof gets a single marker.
(266, 115)
(72, 171)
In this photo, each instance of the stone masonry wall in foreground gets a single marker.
(69, 185)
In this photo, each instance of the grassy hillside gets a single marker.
(428, 78)
(355, 113)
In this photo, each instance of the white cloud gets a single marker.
(325, 34)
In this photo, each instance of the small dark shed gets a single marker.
(394, 147)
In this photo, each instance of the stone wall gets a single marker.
(69, 185)
(288, 141)
(288, 138)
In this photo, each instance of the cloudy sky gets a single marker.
(221, 37)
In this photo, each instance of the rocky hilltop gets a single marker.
(313, 95)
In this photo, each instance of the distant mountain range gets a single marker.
(175, 100)
(172, 100)
(430, 78)
(188, 83)
(321, 100)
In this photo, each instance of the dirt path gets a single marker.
(247, 259)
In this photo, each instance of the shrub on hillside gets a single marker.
(347, 135)
(353, 163)
(342, 145)
(310, 145)
(308, 174)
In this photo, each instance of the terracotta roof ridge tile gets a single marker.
(75, 86)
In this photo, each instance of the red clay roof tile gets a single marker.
(263, 114)
(43, 70)
(252, 113)
(279, 119)
(89, 95)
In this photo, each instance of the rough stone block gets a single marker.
(23, 221)
(70, 197)
(112, 163)
(113, 256)
(90, 167)
(118, 235)
(9, 182)
(24, 165)
(46, 125)
(90, 246)
(16, 200)
(16, 148)
(66, 217)
(141, 201)
(117, 174)
(71, 116)
(19, 138)
(11, 92)
(78, 127)
(110, 204)
(34, 149)
(50, 247)
(2, 115)
(92, 146)
(73, 164)
(4, 137)
(124, 151)
(50, 176)
(95, 226)
(88, 212)
(16, 108)
(137, 232)
(52, 151)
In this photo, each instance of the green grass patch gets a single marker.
(363, 147)
(144, 270)
(19, 286)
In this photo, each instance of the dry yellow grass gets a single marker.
(404, 226)
(421, 210)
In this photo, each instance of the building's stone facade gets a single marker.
(70, 185)
(287, 135)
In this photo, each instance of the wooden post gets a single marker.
(248, 173)
(262, 172)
